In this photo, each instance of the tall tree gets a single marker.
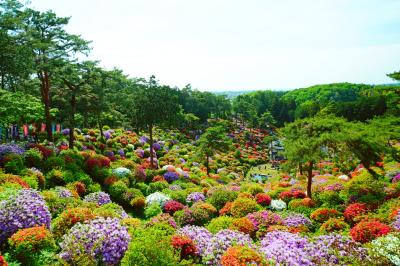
(155, 105)
(214, 139)
(51, 46)
(308, 141)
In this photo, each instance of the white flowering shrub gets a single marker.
(278, 205)
(158, 198)
(387, 247)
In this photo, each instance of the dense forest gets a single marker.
(101, 168)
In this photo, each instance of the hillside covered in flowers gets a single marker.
(100, 168)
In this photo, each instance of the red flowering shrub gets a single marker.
(91, 164)
(226, 209)
(263, 199)
(323, 214)
(3, 262)
(110, 180)
(354, 210)
(79, 187)
(172, 206)
(243, 225)
(69, 218)
(286, 196)
(241, 256)
(185, 245)
(31, 240)
(366, 231)
(298, 194)
(46, 152)
(284, 184)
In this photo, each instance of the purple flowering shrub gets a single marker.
(99, 198)
(195, 197)
(24, 209)
(171, 176)
(101, 240)
(200, 236)
(291, 249)
(297, 219)
(220, 242)
(10, 148)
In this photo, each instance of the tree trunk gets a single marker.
(301, 168)
(208, 165)
(45, 93)
(72, 121)
(151, 146)
(309, 179)
(100, 126)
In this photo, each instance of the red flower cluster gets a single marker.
(185, 245)
(14, 179)
(263, 199)
(354, 210)
(46, 152)
(286, 196)
(3, 262)
(30, 239)
(172, 206)
(69, 218)
(366, 231)
(298, 194)
(323, 214)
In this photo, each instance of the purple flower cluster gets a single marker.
(65, 131)
(25, 209)
(334, 187)
(10, 148)
(140, 153)
(143, 139)
(220, 242)
(195, 197)
(396, 223)
(156, 146)
(286, 249)
(394, 180)
(109, 153)
(264, 219)
(175, 187)
(200, 236)
(171, 176)
(99, 198)
(335, 248)
(291, 249)
(62, 192)
(101, 239)
(294, 220)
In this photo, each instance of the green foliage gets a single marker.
(151, 247)
(152, 210)
(220, 197)
(219, 223)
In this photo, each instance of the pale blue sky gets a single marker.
(240, 44)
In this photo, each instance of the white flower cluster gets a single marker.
(278, 205)
(388, 246)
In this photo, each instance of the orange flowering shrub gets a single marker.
(367, 231)
(323, 214)
(30, 240)
(226, 209)
(69, 218)
(243, 225)
(241, 256)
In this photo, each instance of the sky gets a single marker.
(226, 45)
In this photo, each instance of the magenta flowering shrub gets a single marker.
(195, 197)
(200, 236)
(220, 242)
(102, 240)
(99, 198)
(24, 209)
(264, 219)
